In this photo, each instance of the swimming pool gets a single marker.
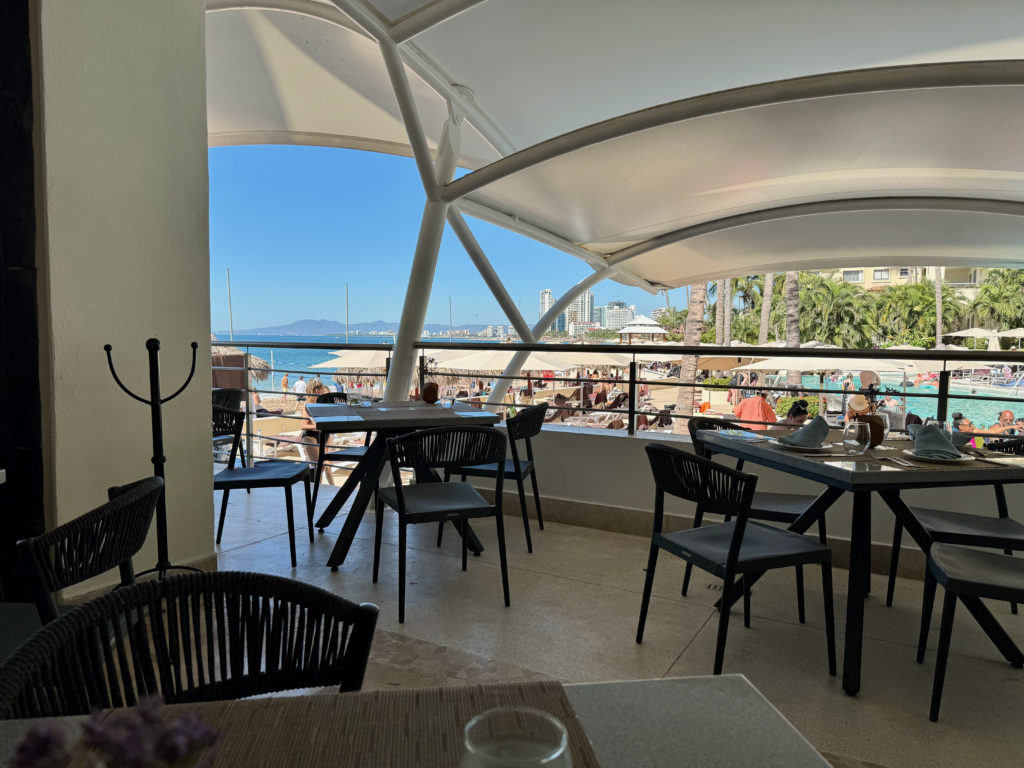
(982, 413)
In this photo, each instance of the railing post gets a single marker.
(631, 422)
(423, 374)
(248, 407)
(943, 395)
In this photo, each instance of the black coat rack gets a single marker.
(155, 404)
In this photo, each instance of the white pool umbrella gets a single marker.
(819, 364)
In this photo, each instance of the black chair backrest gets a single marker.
(447, 448)
(716, 488)
(332, 397)
(233, 420)
(105, 538)
(697, 423)
(1015, 447)
(207, 637)
(230, 399)
(525, 425)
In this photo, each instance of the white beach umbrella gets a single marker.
(819, 364)
(974, 333)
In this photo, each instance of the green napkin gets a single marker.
(810, 435)
(932, 443)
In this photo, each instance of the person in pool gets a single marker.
(962, 424)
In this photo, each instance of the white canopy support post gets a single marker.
(424, 263)
(515, 365)
(374, 26)
(479, 259)
(429, 16)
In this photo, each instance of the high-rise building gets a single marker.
(581, 309)
(600, 316)
(619, 315)
(658, 313)
(499, 330)
(547, 301)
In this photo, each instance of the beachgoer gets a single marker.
(859, 406)
(797, 413)
(300, 389)
(890, 403)
(963, 424)
(847, 388)
(311, 440)
(1006, 419)
(284, 384)
(755, 409)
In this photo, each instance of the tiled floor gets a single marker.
(573, 617)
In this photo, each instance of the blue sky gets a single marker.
(294, 224)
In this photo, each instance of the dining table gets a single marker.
(384, 420)
(700, 722)
(881, 471)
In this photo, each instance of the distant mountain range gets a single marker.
(334, 328)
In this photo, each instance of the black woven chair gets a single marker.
(964, 528)
(728, 550)
(969, 573)
(446, 448)
(772, 507)
(196, 637)
(524, 426)
(223, 423)
(90, 545)
(266, 474)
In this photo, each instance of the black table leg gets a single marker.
(859, 575)
(355, 478)
(802, 524)
(319, 467)
(994, 630)
(373, 463)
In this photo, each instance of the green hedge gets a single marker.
(715, 383)
(783, 404)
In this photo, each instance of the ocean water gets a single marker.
(981, 413)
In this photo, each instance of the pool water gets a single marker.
(982, 413)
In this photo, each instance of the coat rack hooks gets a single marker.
(155, 404)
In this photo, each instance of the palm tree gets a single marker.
(907, 314)
(720, 313)
(1000, 299)
(727, 312)
(793, 320)
(938, 306)
(836, 312)
(766, 307)
(691, 338)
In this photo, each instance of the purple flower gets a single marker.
(42, 747)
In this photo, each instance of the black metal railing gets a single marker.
(630, 408)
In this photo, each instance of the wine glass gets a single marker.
(857, 437)
(945, 426)
(515, 737)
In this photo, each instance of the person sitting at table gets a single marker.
(797, 414)
(859, 406)
(755, 409)
(310, 434)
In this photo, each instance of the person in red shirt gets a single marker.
(754, 409)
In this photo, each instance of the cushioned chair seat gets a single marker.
(491, 470)
(979, 574)
(267, 474)
(437, 499)
(353, 453)
(763, 547)
(971, 530)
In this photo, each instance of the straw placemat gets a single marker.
(417, 728)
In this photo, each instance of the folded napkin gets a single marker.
(810, 435)
(959, 438)
(931, 442)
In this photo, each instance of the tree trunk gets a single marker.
(720, 312)
(727, 324)
(766, 307)
(793, 321)
(691, 338)
(938, 306)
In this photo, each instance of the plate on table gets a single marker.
(823, 448)
(929, 460)
(741, 434)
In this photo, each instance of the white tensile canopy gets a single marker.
(662, 143)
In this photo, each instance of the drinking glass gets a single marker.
(885, 423)
(365, 396)
(515, 737)
(857, 437)
(945, 426)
